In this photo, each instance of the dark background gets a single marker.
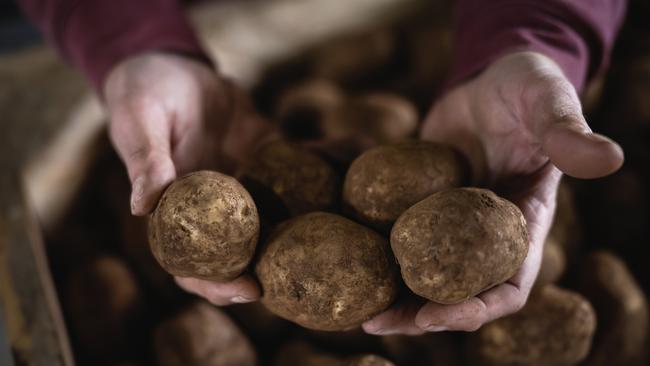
(15, 31)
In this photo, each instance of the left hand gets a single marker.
(520, 124)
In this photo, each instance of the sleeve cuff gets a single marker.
(487, 30)
(99, 34)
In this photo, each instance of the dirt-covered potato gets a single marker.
(326, 272)
(287, 180)
(357, 58)
(381, 117)
(459, 242)
(553, 263)
(621, 308)
(555, 328)
(383, 182)
(202, 335)
(305, 111)
(303, 354)
(205, 226)
(103, 303)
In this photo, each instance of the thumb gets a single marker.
(578, 152)
(564, 134)
(150, 173)
(142, 139)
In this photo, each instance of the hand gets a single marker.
(170, 115)
(520, 124)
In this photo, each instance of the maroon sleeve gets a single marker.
(96, 34)
(577, 34)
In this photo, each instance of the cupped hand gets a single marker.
(520, 124)
(170, 115)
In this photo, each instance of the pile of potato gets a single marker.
(338, 220)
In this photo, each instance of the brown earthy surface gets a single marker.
(205, 226)
(202, 335)
(621, 307)
(379, 116)
(326, 272)
(287, 180)
(385, 181)
(458, 243)
(555, 328)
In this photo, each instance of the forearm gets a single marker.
(577, 34)
(96, 35)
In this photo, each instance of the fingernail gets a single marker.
(240, 300)
(136, 194)
(436, 328)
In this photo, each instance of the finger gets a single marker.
(580, 153)
(473, 313)
(140, 133)
(243, 289)
(563, 132)
(399, 319)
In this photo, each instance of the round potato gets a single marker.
(305, 111)
(459, 242)
(383, 182)
(287, 180)
(555, 328)
(202, 335)
(326, 272)
(621, 308)
(205, 226)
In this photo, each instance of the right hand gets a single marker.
(170, 115)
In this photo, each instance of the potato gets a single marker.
(205, 226)
(553, 263)
(555, 328)
(382, 117)
(305, 111)
(459, 242)
(357, 58)
(326, 272)
(301, 353)
(383, 182)
(621, 307)
(287, 180)
(103, 303)
(342, 126)
(202, 335)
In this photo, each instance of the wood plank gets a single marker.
(28, 301)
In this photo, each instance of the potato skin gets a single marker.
(459, 242)
(383, 182)
(326, 272)
(202, 335)
(621, 307)
(555, 328)
(205, 226)
(287, 180)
